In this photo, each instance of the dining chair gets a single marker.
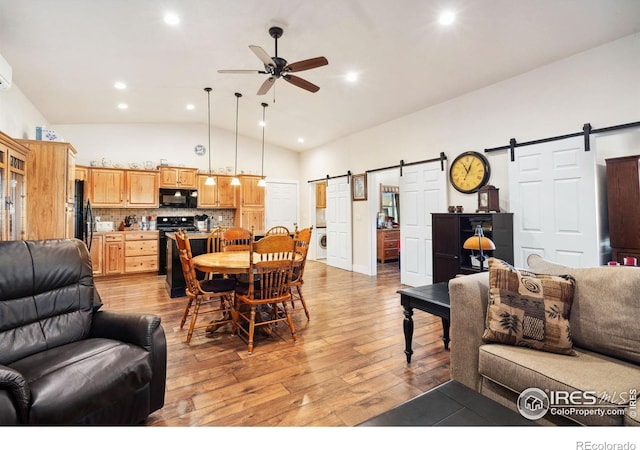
(302, 241)
(236, 239)
(216, 294)
(268, 290)
(278, 229)
(214, 240)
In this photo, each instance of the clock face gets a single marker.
(200, 150)
(469, 172)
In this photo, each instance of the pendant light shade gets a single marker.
(210, 181)
(236, 181)
(262, 182)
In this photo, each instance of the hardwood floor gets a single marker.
(347, 366)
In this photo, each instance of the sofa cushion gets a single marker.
(612, 381)
(604, 315)
(527, 309)
(74, 380)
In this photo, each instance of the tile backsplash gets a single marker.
(117, 215)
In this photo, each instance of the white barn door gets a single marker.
(552, 193)
(423, 190)
(338, 213)
(281, 204)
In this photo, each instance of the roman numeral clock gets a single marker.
(469, 172)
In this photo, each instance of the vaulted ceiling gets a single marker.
(67, 54)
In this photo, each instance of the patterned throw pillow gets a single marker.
(529, 310)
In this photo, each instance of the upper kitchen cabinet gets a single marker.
(178, 177)
(220, 195)
(321, 195)
(13, 177)
(142, 189)
(50, 166)
(82, 173)
(106, 188)
(252, 194)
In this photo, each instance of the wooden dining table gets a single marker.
(226, 262)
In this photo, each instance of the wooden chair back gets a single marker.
(236, 239)
(182, 242)
(278, 229)
(214, 240)
(271, 265)
(302, 243)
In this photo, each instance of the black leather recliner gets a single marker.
(62, 359)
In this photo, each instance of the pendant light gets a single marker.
(210, 181)
(236, 181)
(262, 182)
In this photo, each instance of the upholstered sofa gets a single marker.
(63, 360)
(596, 385)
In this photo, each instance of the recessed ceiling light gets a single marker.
(191, 107)
(447, 18)
(300, 140)
(351, 77)
(171, 19)
(122, 106)
(119, 85)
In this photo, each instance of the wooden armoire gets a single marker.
(623, 196)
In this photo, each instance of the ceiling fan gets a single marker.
(277, 67)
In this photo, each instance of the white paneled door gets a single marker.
(423, 190)
(338, 214)
(281, 204)
(552, 194)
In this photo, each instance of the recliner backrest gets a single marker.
(46, 295)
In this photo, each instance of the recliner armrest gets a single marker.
(135, 329)
(17, 387)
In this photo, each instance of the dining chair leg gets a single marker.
(186, 312)
(252, 327)
(290, 321)
(304, 304)
(192, 325)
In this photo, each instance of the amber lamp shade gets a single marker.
(479, 243)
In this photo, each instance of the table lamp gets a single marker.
(480, 243)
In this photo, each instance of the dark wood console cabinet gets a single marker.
(450, 230)
(623, 196)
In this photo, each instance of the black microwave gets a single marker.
(178, 198)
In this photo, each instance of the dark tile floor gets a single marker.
(450, 404)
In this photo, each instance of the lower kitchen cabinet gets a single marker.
(113, 253)
(140, 251)
(97, 254)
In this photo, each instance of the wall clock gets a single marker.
(469, 172)
(200, 150)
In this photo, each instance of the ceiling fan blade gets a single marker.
(304, 84)
(266, 85)
(264, 56)
(306, 64)
(241, 71)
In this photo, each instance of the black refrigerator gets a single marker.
(84, 218)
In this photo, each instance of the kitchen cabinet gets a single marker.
(97, 254)
(623, 195)
(321, 195)
(82, 173)
(140, 251)
(142, 189)
(178, 177)
(252, 212)
(106, 188)
(113, 253)
(51, 189)
(220, 195)
(13, 178)
(387, 244)
(450, 230)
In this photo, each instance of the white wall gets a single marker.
(600, 86)
(18, 116)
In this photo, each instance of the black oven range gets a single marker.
(170, 224)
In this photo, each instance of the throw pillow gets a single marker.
(528, 309)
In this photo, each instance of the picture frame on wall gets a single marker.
(359, 187)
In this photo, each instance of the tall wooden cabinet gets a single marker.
(13, 185)
(623, 196)
(450, 230)
(220, 195)
(51, 189)
(252, 196)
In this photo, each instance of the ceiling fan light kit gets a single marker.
(277, 67)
